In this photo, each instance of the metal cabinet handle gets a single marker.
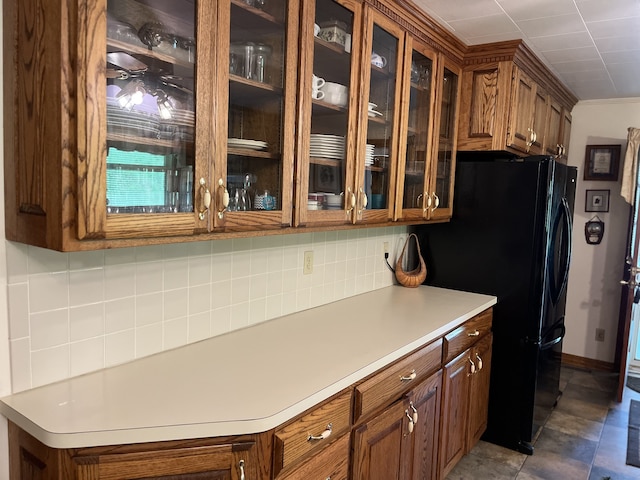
(322, 436)
(415, 412)
(530, 141)
(350, 201)
(474, 334)
(241, 467)
(411, 423)
(473, 368)
(436, 201)
(206, 199)
(479, 362)
(225, 198)
(364, 201)
(407, 378)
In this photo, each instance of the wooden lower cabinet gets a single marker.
(412, 420)
(465, 400)
(392, 446)
(234, 459)
(479, 391)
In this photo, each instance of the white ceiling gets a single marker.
(593, 46)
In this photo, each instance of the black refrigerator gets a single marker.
(510, 236)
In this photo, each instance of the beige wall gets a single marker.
(594, 290)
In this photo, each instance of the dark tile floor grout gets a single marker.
(585, 438)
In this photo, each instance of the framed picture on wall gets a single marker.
(597, 201)
(601, 162)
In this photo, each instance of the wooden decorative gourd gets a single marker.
(416, 276)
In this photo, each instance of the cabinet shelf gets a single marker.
(418, 87)
(252, 18)
(117, 45)
(245, 92)
(320, 106)
(379, 120)
(327, 162)
(121, 138)
(246, 152)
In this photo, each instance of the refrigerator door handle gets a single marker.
(558, 287)
(558, 325)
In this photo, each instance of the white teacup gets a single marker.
(317, 94)
(378, 60)
(317, 82)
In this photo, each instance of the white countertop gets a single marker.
(246, 381)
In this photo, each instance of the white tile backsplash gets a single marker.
(72, 313)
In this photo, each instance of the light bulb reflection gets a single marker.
(131, 95)
(165, 107)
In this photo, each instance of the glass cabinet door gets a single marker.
(257, 58)
(378, 147)
(412, 198)
(443, 169)
(140, 112)
(329, 104)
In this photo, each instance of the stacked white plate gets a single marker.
(327, 146)
(131, 122)
(179, 126)
(246, 143)
(368, 156)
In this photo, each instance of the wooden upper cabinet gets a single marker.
(379, 142)
(506, 96)
(565, 133)
(256, 57)
(417, 120)
(554, 129)
(131, 122)
(329, 93)
(520, 134)
(441, 179)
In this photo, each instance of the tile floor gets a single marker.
(585, 438)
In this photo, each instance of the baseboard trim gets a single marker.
(586, 363)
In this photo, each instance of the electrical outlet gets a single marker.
(307, 267)
(599, 334)
(385, 247)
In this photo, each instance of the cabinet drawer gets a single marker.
(293, 441)
(332, 462)
(461, 338)
(386, 385)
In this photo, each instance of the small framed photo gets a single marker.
(597, 201)
(601, 162)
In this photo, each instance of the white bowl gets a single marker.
(333, 199)
(330, 87)
(336, 98)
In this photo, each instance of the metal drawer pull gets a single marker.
(415, 412)
(406, 412)
(241, 465)
(473, 368)
(474, 334)
(408, 378)
(479, 362)
(322, 436)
